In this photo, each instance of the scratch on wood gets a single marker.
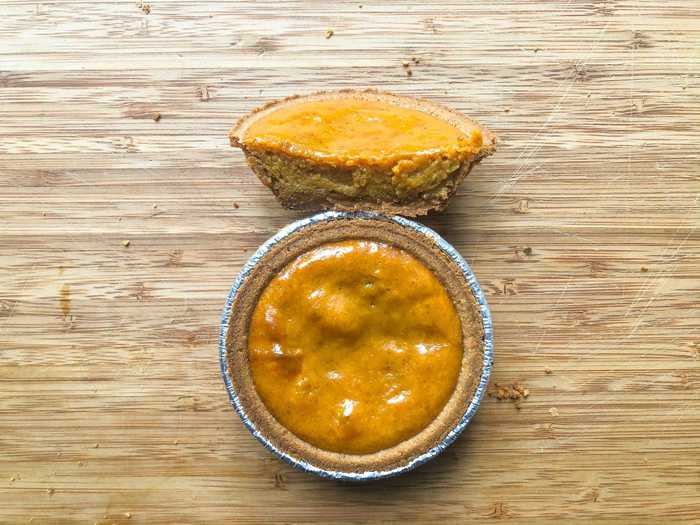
(525, 154)
(556, 303)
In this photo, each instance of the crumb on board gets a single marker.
(97, 445)
(548, 371)
(527, 251)
(145, 7)
(235, 205)
(50, 491)
(514, 392)
(156, 116)
(126, 243)
(127, 515)
(506, 110)
(406, 64)
(644, 269)
(554, 411)
(329, 33)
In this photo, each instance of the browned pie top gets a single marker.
(355, 346)
(359, 131)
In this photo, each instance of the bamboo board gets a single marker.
(583, 230)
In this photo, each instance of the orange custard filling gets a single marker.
(356, 132)
(355, 346)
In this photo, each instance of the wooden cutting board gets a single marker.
(583, 230)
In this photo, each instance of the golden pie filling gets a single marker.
(355, 346)
(357, 132)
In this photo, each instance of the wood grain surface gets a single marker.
(583, 230)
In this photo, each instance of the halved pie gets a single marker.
(361, 150)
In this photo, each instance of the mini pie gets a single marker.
(361, 150)
(354, 345)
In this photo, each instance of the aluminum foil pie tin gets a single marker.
(469, 410)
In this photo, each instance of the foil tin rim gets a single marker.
(470, 410)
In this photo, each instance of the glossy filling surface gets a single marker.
(356, 132)
(355, 346)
